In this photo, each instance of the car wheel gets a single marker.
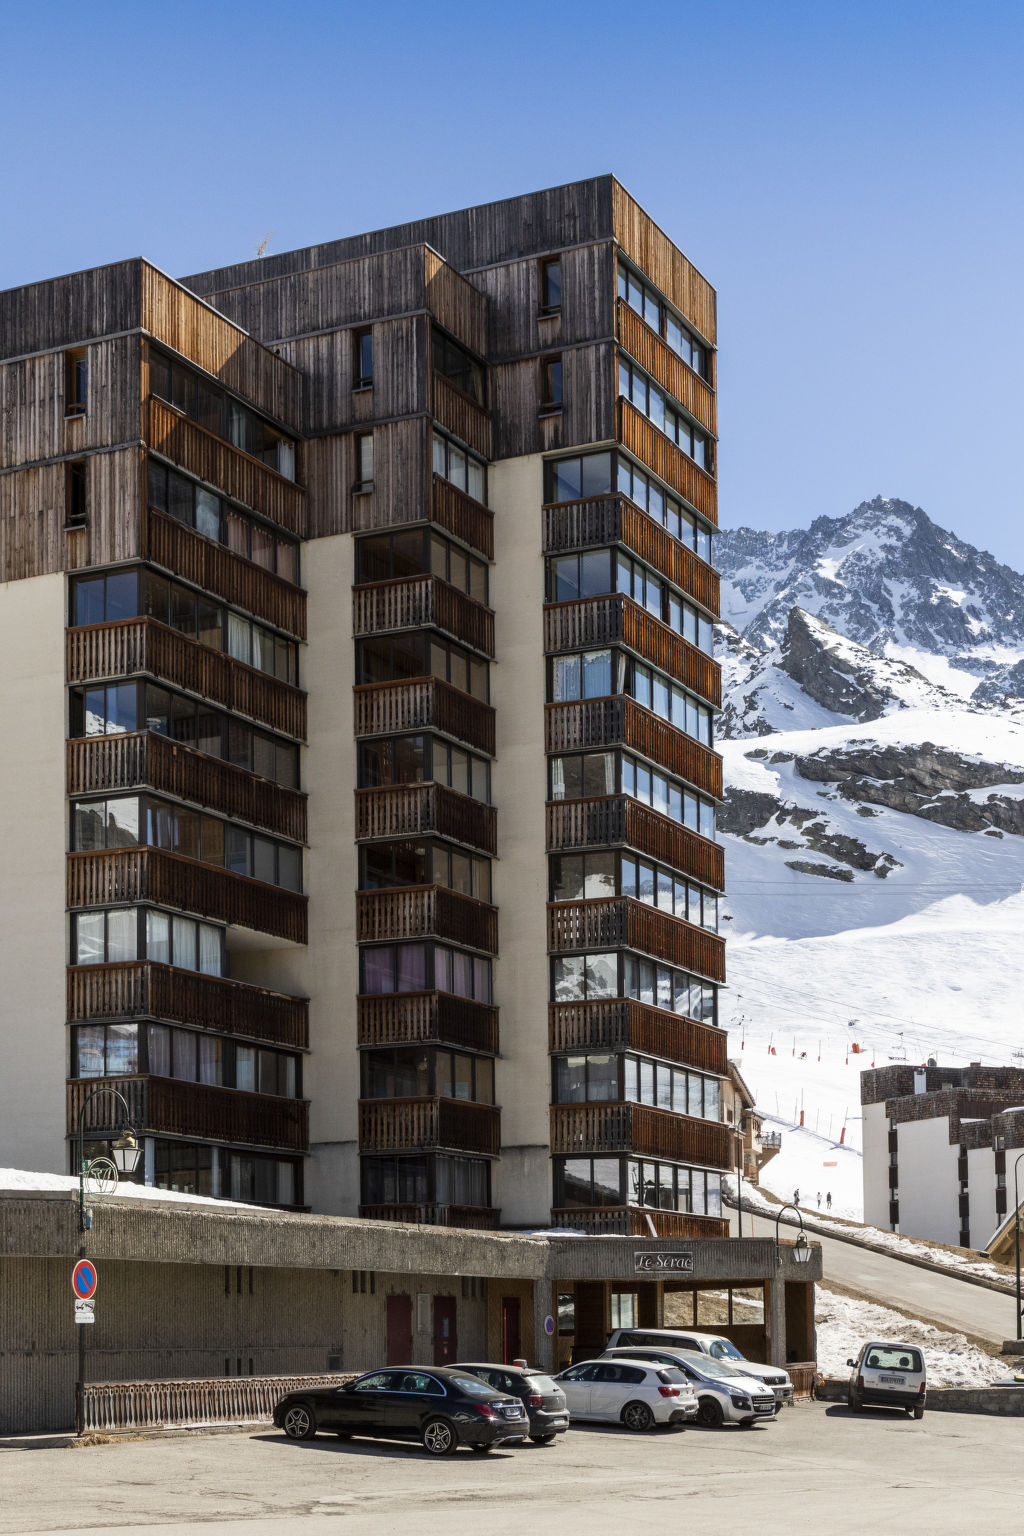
(918, 1413)
(299, 1423)
(439, 1437)
(778, 1407)
(481, 1450)
(637, 1416)
(709, 1413)
(542, 1439)
(852, 1403)
(746, 1423)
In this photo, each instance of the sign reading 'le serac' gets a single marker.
(661, 1262)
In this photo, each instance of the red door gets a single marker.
(446, 1342)
(511, 1343)
(399, 1325)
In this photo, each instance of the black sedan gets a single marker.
(443, 1408)
(542, 1398)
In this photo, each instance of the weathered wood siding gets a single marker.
(401, 452)
(33, 425)
(68, 311)
(33, 541)
(515, 325)
(666, 266)
(399, 374)
(588, 410)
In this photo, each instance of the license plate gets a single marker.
(512, 1413)
(893, 1381)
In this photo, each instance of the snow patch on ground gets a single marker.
(845, 1324)
(21, 1180)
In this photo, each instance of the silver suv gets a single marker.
(711, 1344)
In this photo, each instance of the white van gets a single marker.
(711, 1344)
(886, 1375)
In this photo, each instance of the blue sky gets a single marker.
(847, 175)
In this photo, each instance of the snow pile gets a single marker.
(14, 1181)
(845, 1324)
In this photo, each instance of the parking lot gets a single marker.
(815, 1468)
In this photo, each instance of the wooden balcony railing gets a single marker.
(218, 569)
(591, 1128)
(410, 810)
(619, 620)
(646, 347)
(632, 1221)
(131, 646)
(618, 819)
(143, 989)
(461, 415)
(415, 601)
(147, 760)
(178, 1108)
(607, 520)
(620, 1024)
(474, 1218)
(619, 921)
(412, 1018)
(424, 911)
(618, 721)
(121, 875)
(409, 1125)
(650, 445)
(237, 474)
(422, 702)
(462, 516)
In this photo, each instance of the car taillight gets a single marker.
(668, 1391)
(535, 1400)
(920, 1390)
(485, 1410)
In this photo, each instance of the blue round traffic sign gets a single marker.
(84, 1279)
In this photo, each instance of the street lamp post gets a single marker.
(801, 1248)
(1016, 1222)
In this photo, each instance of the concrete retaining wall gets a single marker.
(1007, 1402)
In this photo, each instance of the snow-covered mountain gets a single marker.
(874, 820)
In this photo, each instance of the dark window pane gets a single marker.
(87, 601)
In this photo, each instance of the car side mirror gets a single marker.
(851, 1362)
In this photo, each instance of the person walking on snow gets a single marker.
(796, 1197)
(819, 1199)
(828, 1201)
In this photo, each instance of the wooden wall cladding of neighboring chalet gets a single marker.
(401, 456)
(515, 326)
(33, 425)
(653, 252)
(33, 540)
(399, 374)
(587, 414)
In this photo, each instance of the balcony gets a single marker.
(422, 703)
(617, 922)
(607, 520)
(646, 347)
(411, 810)
(414, 1125)
(619, 820)
(167, 1106)
(473, 1218)
(147, 760)
(621, 1024)
(650, 445)
(116, 877)
(462, 416)
(636, 1221)
(232, 577)
(617, 721)
(462, 516)
(415, 1018)
(619, 620)
(417, 601)
(143, 989)
(578, 1129)
(133, 646)
(426, 911)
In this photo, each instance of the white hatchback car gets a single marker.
(886, 1375)
(634, 1392)
(724, 1394)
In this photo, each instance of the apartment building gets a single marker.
(940, 1144)
(360, 603)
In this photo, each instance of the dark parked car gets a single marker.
(442, 1408)
(542, 1398)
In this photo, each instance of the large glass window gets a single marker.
(584, 978)
(457, 365)
(423, 1071)
(582, 1182)
(421, 759)
(418, 1179)
(388, 865)
(423, 968)
(462, 468)
(580, 477)
(394, 658)
(204, 401)
(653, 402)
(651, 496)
(661, 317)
(222, 521)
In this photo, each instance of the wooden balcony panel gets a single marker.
(116, 876)
(619, 820)
(618, 619)
(410, 1125)
(632, 1221)
(578, 1129)
(413, 1018)
(590, 724)
(473, 1218)
(462, 416)
(147, 760)
(607, 520)
(615, 922)
(207, 457)
(412, 810)
(219, 570)
(462, 516)
(644, 440)
(419, 703)
(133, 646)
(646, 347)
(622, 1024)
(200, 1110)
(144, 989)
(416, 601)
(426, 911)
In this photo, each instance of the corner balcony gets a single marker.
(589, 724)
(429, 1124)
(654, 355)
(622, 1024)
(599, 521)
(618, 820)
(168, 1106)
(426, 911)
(145, 989)
(413, 810)
(416, 602)
(637, 1221)
(423, 703)
(650, 445)
(619, 922)
(462, 516)
(226, 574)
(415, 1018)
(589, 1129)
(618, 620)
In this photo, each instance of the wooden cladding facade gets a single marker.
(472, 1218)
(615, 922)
(426, 911)
(115, 877)
(609, 520)
(637, 1221)
(617, 820)
(412, 1125)
(650, 445)
(147, 760)
(229, 576)
(414, 1018)
(131, 647)
(144, 989)
(583, 1128)
(383, 709)
(621, 1024)
(412, 810)
(657, 358)
(618, 620)
(593, 723)
(462, 516)
(461, 416)
(649, 248)
(174, 1108)
(415, 602)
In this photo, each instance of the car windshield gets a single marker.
(711, 1367)
(723, 1350)
(471, 1387)
(894, 1357)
